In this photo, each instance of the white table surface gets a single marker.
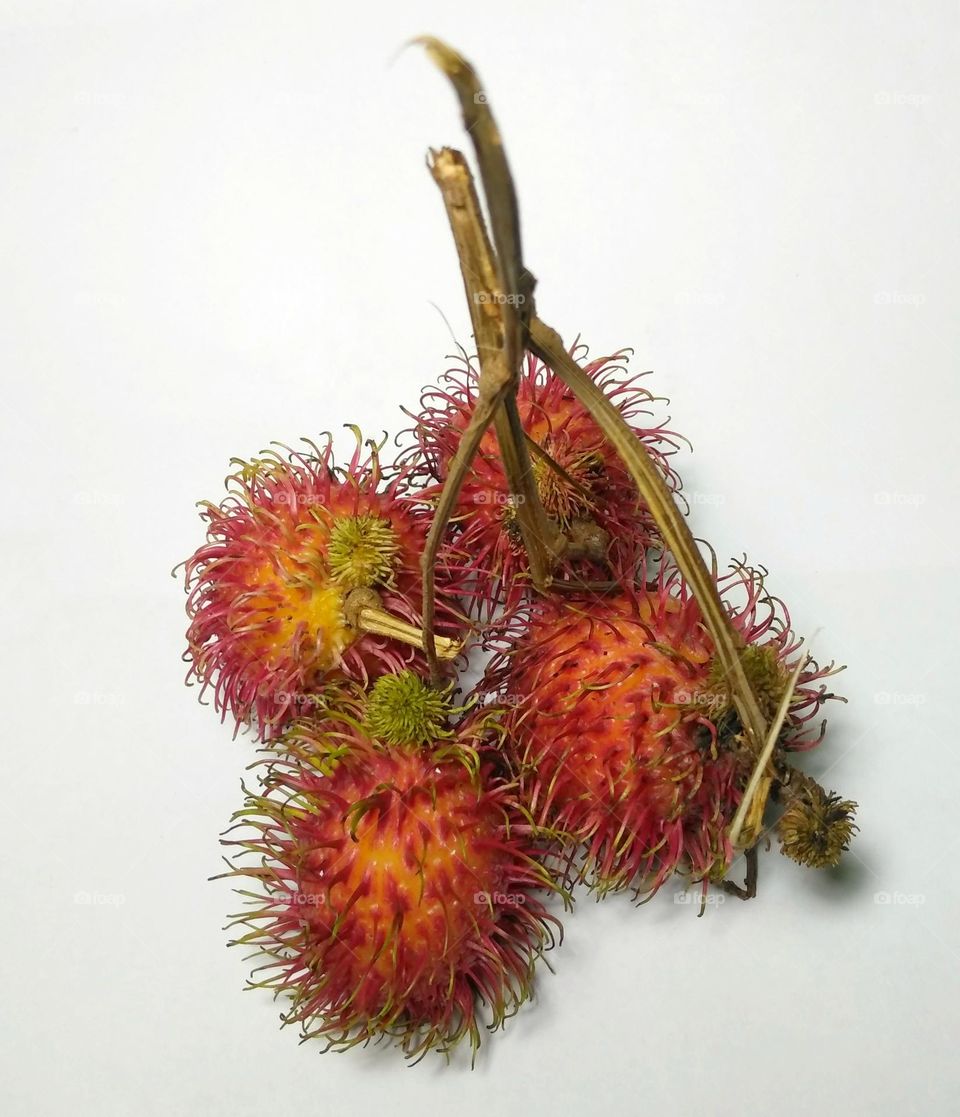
(217, 230)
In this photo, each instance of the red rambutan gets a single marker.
(582, 483)
(400, 884)
(308, 570)
(622, 732)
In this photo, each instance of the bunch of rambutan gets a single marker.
(406, 845)
(401, 883)
(409, 839)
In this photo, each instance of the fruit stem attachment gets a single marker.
(754, 799)
(816, 826)
(363, 611)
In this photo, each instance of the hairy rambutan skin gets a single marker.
(605, 741)
(621, 733)
(267, 591)
(401, 890)
(594, 487)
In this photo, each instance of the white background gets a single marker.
(216, 230)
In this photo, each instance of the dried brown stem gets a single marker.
(749, 816)
(548, 346)
(748, 889)
(517, 326)
(497, 387)
(364, 612)
(498, 189)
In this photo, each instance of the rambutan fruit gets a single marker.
(400, 888)
(581, 481)
(309, 571)
(623, 736)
